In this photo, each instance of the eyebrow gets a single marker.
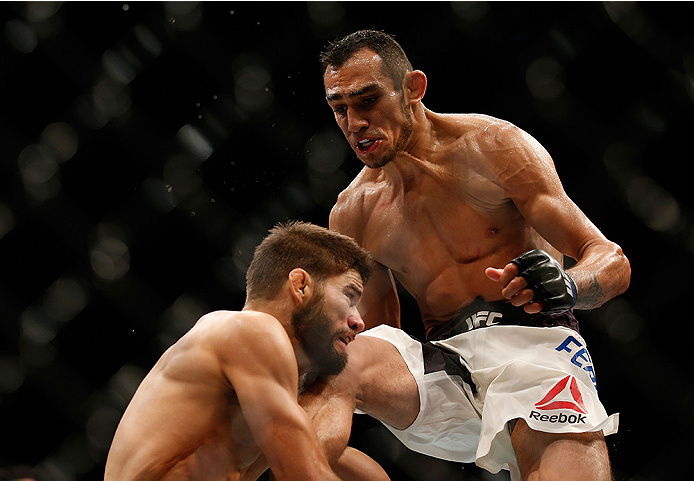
(355, 93)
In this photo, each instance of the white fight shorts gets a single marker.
(473, 383)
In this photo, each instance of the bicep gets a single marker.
(281, 429)
(272, 414)
(263, 373)
(537, 192)
(602, 270)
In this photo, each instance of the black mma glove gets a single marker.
(545, 276)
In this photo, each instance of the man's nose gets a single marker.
(356, 323)
(355, 122)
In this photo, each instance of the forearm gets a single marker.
(602, 273)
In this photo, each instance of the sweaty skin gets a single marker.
(185, 420)
(465, 193)
(443, 204)
(226, 393)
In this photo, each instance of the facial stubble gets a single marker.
(312, 328)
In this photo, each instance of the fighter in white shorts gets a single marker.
(488, 367)
(458, 395)
(443, 202)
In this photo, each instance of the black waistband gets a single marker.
(484, 314)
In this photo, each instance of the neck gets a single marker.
(423, 137)
(422, 129)
(418, 150)
(282, 311)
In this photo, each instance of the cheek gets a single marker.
(395, 120)
(342, 123)
(339, 309)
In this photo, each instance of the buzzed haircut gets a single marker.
(320, 252)
(395, 61)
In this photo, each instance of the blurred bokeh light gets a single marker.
(147, 147)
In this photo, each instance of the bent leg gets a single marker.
(560, 456)
(376, 380)
(387, 389)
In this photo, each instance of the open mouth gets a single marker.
(346, 339)
(367, 145)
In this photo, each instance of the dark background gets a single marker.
(146, 148)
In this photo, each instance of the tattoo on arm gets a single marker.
(590, 293)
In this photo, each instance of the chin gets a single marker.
(377, 163)
(330, 365)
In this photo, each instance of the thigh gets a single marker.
(560, 456)
(376, 380)
(387, 389)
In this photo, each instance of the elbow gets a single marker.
(623, 270)
(602, 273)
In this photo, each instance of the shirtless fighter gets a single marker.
(468, 213)
(225, 394)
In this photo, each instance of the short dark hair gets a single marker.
(320, 252)
(395, 61)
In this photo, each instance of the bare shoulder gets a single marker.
(234, 334)
(232, 328)
(500, 150)
(253, 349)
(483, 132)
(347, 215)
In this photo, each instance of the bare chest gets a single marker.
(451, 223)
(439, 238)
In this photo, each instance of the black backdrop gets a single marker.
(147, 147)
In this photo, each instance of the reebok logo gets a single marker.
(559, 397)
(560, 418)
(564, 395)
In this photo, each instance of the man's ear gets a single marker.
(415, 86)
(301, 285)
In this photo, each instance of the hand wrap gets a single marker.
(547, 279)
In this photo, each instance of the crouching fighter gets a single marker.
(221, 403)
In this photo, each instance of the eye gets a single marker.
(370, 100)
(353, 299)
(340, 110)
